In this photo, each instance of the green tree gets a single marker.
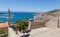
(21, 24)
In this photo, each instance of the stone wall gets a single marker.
(35, 25)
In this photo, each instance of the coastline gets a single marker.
(14, 15)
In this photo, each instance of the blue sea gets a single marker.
(16, 16)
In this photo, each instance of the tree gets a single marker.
(21, 24)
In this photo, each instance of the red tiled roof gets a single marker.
(2, 25)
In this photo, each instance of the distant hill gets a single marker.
(53, 11)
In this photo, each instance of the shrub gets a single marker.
(21, 24)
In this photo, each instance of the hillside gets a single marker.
(53, 11)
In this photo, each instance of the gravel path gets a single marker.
(47, 33)
(11, 33)
(50, 31)
(52, 23)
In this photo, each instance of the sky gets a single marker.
(29, 5)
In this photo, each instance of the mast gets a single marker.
(58, 19)
(58, 22)
(9, 17)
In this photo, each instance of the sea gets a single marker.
(15, 16)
